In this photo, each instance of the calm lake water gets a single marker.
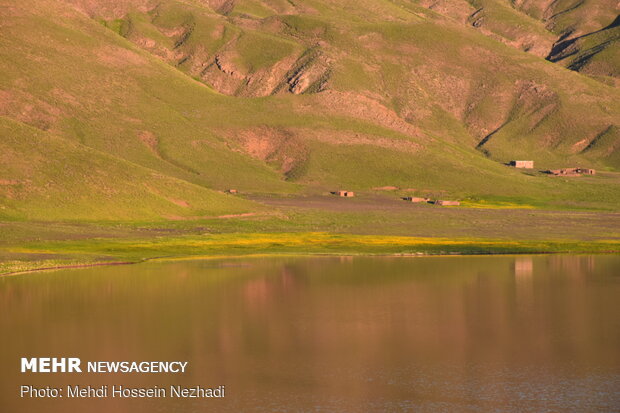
(432, 334)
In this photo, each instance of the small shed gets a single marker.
(416, 199)
(522, 164)
(443, 202)
(345, 194)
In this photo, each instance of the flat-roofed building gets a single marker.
(522, 164)
(443, 202)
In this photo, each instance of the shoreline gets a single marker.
(68, 267)
(307, 254)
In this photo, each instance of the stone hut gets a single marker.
(447, 203)
(572, 171)
(586, 171)
(416, 199)
(522, 164)
(563, 172)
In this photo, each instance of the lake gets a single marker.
(327, 334)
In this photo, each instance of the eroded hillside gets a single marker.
(580, 35)
(276, 96)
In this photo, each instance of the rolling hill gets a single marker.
(148, 110)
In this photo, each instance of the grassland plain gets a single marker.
(128, 119)
(318, 225)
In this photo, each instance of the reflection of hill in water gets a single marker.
(466, 331)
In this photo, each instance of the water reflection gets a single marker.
(524, 266)
(525, 333)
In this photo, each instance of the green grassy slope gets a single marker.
(46, 177)
(73, 77)
(428, 71)
(274, 97)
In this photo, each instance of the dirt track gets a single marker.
(374, 214)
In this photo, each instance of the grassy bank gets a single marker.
(75, 253)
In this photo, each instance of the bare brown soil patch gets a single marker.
(150, 140)
(279, 147)
(228, 216)
(179, 202)
(156, 49)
